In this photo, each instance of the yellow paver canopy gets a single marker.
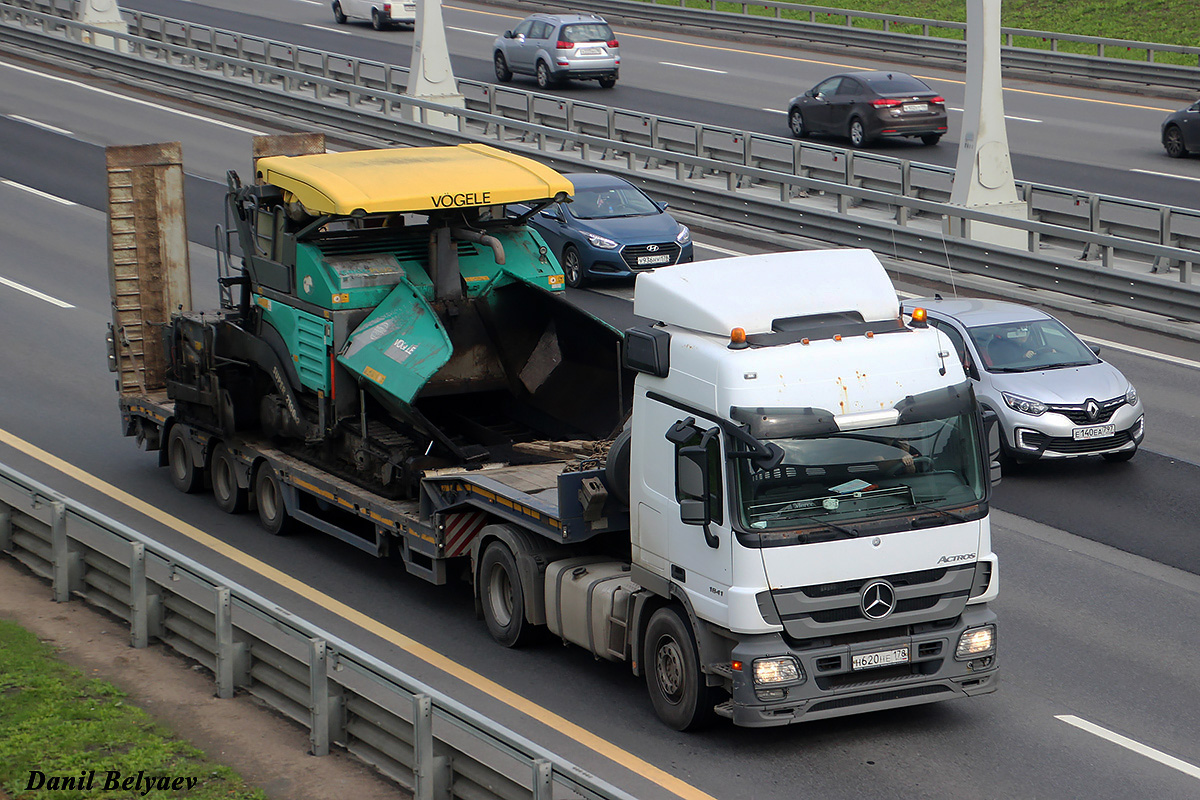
(411, 179)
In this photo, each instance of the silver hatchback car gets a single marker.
(1053, 394)
(557, 47)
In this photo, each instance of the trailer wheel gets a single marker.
(268, 495)
(185, 475)
(231, 498)
(680, 696)
(503, 596)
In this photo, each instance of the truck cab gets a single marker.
(809, 493)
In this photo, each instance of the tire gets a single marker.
(857, 132)
(503, 73)
(608, 83)
(1173, 142)
(796, 124)
(268, 496)
(339, 16)
(930, 139)
(544, 79)
(377, 21)
(572, 267)
(677, 689)
(231, 498)
(185, 475)
(502, 596)
(1117, 458)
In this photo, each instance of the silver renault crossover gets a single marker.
(555, 47)
(1055, 397)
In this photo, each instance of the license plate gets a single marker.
(881, 658)
(588, 51)
(1094, 432)
(647, 260)
(916, 106)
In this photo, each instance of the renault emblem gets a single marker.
(1092, 408)
(878, 600)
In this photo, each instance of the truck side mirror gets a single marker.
(692, 482)
(991, 428)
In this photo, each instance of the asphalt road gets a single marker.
(1099, 563)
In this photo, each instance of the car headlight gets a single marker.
(1131, 395)
(1024, 404)
(783, 669)
(684, 236)
(976, 642)
(601, 242)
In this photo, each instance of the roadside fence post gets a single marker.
(224, 633)
(60, 552)
(318, 682)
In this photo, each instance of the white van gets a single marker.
(382, 15)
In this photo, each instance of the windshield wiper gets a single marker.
(849, 533)
(951, 514)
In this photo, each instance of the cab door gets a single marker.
(519, 50)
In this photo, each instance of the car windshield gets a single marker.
(830, 481)
(1030, 346)
(897, 84)
(586, 32)
(611, 201)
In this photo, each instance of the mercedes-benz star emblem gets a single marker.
(878, 600)
(651, 248)
(1092, 408)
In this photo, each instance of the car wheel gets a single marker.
(572, 267)
(796, 124)
(858, 133)
(1116, 458)
(608, 83)
(503, 73)
(544, 79)
(377, 20)
(930, 139)
(1173, 142)
(339, 16)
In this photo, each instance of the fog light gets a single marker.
(770, 694)
(784, 669)
(976, 642)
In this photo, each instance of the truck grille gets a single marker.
(833, 609)
(632, 252)
(1078, 414)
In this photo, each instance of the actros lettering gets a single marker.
(954, 559)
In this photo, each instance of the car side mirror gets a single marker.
(508, 34)
(553, 213)
(970, 369)
(1095, 348)
(811, 93)
(991, 430)
(662, 206)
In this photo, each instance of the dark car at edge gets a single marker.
(1181, 131)
(866, 106)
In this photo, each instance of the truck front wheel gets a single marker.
(678, 691)
(185, 475)
(268, 496)
(502, 596)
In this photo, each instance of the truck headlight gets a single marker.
(601, 242)
(1025, 405)
(684, 236)
(783, 669)
(976, 642)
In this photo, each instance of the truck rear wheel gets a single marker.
(503, 596)
(677, 688)
(185, 475)
(231, 498)
(268, 496)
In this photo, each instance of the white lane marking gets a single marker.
(1130, 744)
(327, 28)
(129, 99)
(1128, 348)
(313, 2)
(1006, 116)
(689, 66)
(43, 125)
(35, 293)
(38, 192)
(724, 250)
(775, 110)
(470, 30)
(1165, 174)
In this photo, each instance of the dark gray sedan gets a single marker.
(864, 106)
(1181, 131)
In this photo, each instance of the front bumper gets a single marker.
(831, 688)
(1051, 435)
(615, 263)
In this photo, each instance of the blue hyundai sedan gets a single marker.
(611, 229)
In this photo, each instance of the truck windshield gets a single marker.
(832, 481)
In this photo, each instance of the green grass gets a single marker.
(1157, 21)
(56, 720)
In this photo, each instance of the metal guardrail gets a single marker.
(835, 195)
(838, 28)
(424, 740)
